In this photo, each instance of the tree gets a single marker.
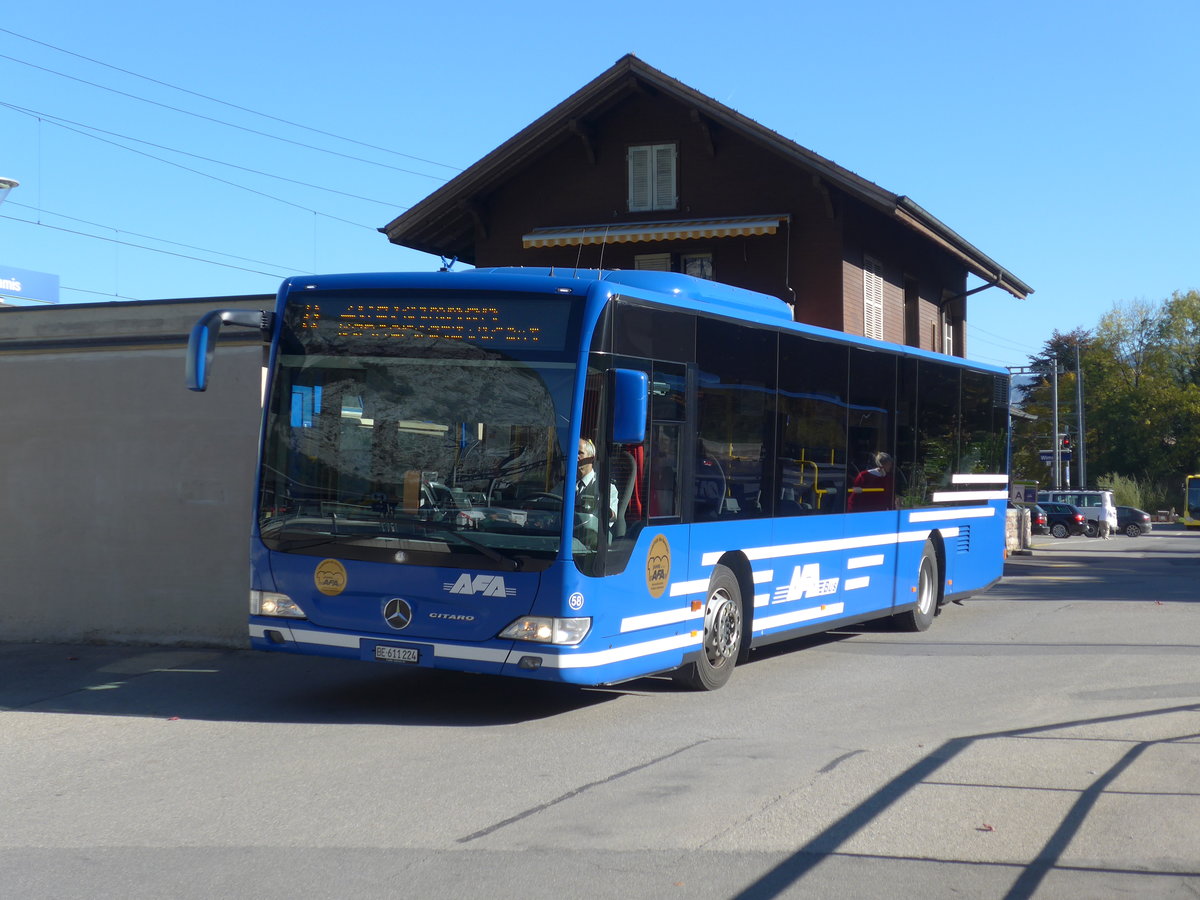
(1143, 399)
(1031, 436)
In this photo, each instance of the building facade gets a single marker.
(636, 170)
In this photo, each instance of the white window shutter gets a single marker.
(657, 262)
(639, 178)
(664, 177)
(872, 298)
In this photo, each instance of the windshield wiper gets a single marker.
(490, 552)
(417, 530)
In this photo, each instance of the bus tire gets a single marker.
(920, 617)
(724, 632)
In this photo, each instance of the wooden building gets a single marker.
(636, 170)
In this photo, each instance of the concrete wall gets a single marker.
(124, 498)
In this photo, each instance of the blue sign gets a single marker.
(1047, 456)
(21, 284)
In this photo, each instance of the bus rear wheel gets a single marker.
(920, 617)
(724, 627)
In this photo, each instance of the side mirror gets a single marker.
(202, 342)
(629, 392)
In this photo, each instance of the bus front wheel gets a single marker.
(724, 626)
(920, 617)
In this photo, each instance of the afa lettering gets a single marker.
(488, 585)
(807, 582)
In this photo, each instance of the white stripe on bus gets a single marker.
(865, 562)
(354, 641)
(683, 588)
(607, 657)
(977, 478)
(941, 515)
(666, 617)
(951, 496)
(833, 544)
(798, 615)
(853, 584)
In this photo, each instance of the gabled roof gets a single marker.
(444, 222)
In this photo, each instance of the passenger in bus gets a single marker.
(874, 488)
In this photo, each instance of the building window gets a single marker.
(652, 177)
(872, 298)
(912, 312)
(698, 265)
(655, 262)
(947, 331)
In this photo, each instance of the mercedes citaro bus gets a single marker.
(592, 476)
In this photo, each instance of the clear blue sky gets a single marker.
(1059, 138)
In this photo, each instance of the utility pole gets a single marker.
(1080, 446)
(1056, 481)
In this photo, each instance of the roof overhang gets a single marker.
(633, 232)
(913, 216)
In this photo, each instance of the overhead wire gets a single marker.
(58, 120)
(208, 175)
(254, 131)
(149, 237)
(100, 237)
(94, 133)
(227, 103)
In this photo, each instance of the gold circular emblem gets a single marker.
(330, 577)
(658, 566)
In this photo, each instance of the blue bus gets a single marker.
(594, 476)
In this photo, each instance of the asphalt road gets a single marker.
(1041, 740)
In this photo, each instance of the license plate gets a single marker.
(398, 654)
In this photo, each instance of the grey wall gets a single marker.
(124, 498)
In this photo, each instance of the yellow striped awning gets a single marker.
(633, 232)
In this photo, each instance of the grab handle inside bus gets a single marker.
(202, 342)
(630, 392)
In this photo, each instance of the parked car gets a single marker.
(1064, 519)
(1038, 523)
(1133, 521)
(1094, 505)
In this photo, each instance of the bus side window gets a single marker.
(664, 471)
(811, 463)
(668, 411)
(734, 470)
(870, 432)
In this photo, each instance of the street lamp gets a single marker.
(6, 185)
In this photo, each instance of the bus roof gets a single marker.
(675, 288)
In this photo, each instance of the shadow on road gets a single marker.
(245, 686)
(788, 874)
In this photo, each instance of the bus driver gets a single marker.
(586, 489)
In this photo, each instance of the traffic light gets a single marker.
(1065, 442)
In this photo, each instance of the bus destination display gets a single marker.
(509, 323)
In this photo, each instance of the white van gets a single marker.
(1093, 504)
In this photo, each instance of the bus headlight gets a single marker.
(268, 603)
(548, 630)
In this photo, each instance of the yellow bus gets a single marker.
(1191, 501)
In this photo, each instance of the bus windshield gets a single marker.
(418, 431)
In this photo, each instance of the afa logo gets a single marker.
(658, 566)
(330, 577)
(488, 585)
(806, 582)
